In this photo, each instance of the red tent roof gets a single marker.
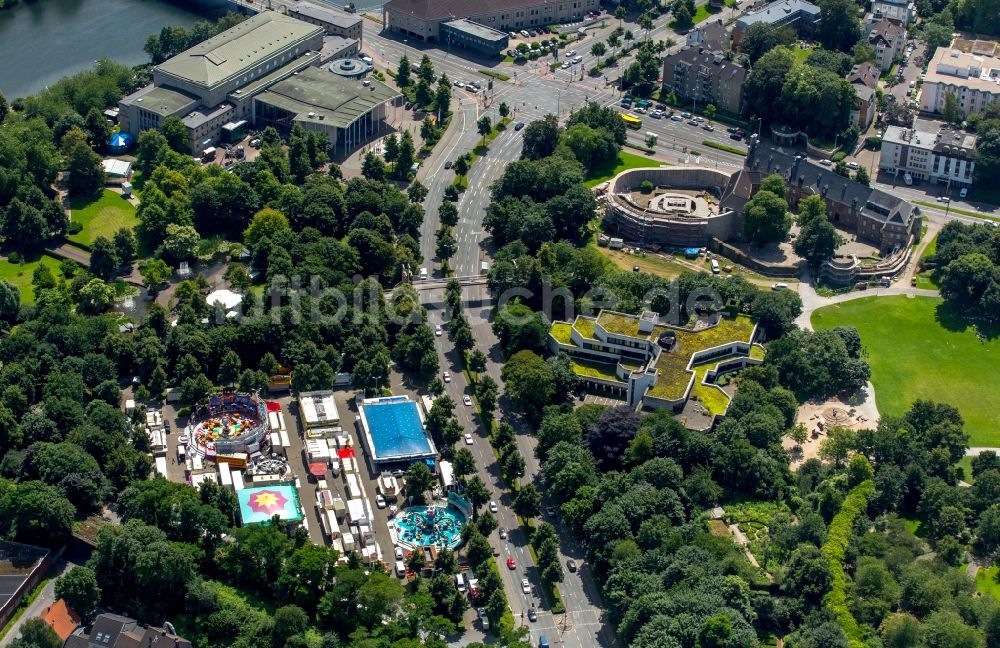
(317, 468)
(345, 453)
(273, 406)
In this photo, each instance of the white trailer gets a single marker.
(353, 486)
(356, 511)
(225, 475)
(237, 480)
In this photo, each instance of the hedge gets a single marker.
(837, 538)
(723, 147)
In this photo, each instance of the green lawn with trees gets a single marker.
(102, 215)
(919, 349)
(20, 274)
(624, 161)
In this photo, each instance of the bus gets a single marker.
(631, 121)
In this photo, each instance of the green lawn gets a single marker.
(986, 581)
(802, 53)
(919, 348)
(924, 279)
(625, 161)
(20, 274)
(101, 217)
(966, 465)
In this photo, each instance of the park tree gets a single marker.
(839, 27)
(818, 239)
(761, 37)
(36, 633)
(372, 167)
(406, 156)
(78, 587)
(104, 259)
(38, 513)
(176, 134)
(86, 171)
(126, 245)
(765, 218)
(419, 480)
(10, 301)
(540, 138)
(529, 381)
(154, 272)
(403, 72)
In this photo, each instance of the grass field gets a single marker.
(919, 348)
(20, 275)
(101, 217)
(924, 279)
(986, 581)
(625, 161)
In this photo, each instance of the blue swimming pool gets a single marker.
(428, 526)
(396, 431)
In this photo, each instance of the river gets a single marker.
(43, 41)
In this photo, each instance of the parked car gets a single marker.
(853, 166)
(826, 162)
(379, 501)
(709, 128)
(399, 553)
(693, 122)
(459, 84)
(656, 114)
(438, 331)
(676, 118)
(963, 192)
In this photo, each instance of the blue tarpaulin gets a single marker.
(120, 141)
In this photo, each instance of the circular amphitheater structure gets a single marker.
(686, 207)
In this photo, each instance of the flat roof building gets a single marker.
(472, 35)
(423, 18)
(801, 15)
(218, 81)
(349, 111)
(967, 69)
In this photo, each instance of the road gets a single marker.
(583, 624)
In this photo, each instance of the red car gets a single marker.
(510, 563)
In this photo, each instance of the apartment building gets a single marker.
(888, 40)
(969, 70)
(901, 12)
(929, 152)
(705, 77)
(864, 79)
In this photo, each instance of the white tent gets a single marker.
(227, 298)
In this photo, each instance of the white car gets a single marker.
(944, 199)
(468, 439)
(459, 84)
(493, 507)
(963, 192)
(367, 59)
(853, 166)
(447, 376)
(826, 162)
(571, 53)
(467, 400)
(577, 59)
(676, 118)
(380, 501)
(656, 114)
(525, 586)
(438, 331)
(566, 65)
(399, 553)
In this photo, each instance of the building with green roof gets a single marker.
(653, 365)
(217, 83)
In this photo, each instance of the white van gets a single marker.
(181, 453)
(715, 267)
(779, 286)
(400, 568)
(423, 274)
(460, 582)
